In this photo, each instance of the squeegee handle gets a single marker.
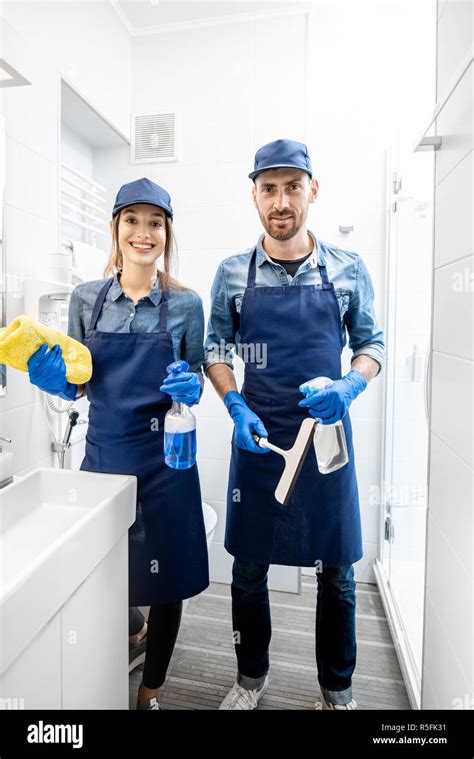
(262, 442)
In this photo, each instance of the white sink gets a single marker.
(55, 526)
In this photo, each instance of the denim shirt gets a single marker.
(120, 314)
(346, 270)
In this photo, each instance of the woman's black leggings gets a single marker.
(163, 626)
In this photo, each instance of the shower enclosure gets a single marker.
(400, 571)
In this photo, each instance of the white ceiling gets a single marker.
(145, 14)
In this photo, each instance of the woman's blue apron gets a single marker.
(298, 329)
(167, 542)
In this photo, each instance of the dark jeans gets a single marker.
(163, 626)
(335, 627)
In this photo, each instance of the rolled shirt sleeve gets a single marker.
(75, 326)
(222, 326)
(192, 342)
(365, 336)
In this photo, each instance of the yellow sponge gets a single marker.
(23, 337)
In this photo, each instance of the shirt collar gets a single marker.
(116, 290)
(313, 260)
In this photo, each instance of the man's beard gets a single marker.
(281, 234)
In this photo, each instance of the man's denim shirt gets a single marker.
(120, 314)
(346, 270)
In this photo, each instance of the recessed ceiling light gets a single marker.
(10, 77)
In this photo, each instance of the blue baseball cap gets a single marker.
(281, 154)
(142, 191)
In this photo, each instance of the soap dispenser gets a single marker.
(6, 465)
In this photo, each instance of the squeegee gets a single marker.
(294, 458)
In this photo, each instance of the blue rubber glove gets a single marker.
(47, 370)
(184, 387)
(332, 403)
(246, 423)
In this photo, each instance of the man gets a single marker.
(289, 301)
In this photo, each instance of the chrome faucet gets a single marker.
(61, 448)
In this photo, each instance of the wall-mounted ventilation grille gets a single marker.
(154, 137)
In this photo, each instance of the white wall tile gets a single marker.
(453, 224)
(452, 384)
(451, 498)
(40, 100)
(454, 38)
(454, 125)
(454, 309)
(448, 680)
(444, 572)
(29, 241)
(231, 227)
(370, 517)
(213, 475)
(31, 182)
(73, 38)
(364, 569)
(31, 438)
(367, 437)
(214, 438)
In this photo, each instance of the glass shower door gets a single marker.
(406, 422)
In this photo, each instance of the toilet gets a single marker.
(210, 522)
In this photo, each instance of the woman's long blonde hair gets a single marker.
(115, 262)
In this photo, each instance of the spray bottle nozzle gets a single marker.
(177, 366)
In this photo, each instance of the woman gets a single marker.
(135, 324)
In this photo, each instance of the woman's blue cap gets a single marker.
(281, 154)
(142, 191)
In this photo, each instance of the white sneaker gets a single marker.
(152, 705)
(240, 698)
(323, 704)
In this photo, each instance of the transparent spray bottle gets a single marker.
(329, 439)
(179, 429)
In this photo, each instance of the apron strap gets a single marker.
(323, 272)
(100, 302)
(163, 323)
(253, 269)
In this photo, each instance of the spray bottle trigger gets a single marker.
(177, 366)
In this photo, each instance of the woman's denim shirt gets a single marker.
(120, 314)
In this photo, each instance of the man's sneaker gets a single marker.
(323, 704)
(242, 699)
(136, 653)
(149, 706)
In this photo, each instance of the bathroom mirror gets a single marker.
(3, 293)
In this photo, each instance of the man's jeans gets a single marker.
(335, 627)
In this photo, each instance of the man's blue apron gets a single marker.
(301, 329)
(167, 542)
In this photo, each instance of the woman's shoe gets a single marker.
(150, 705)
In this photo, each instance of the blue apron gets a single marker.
(300, 327)
(167, 542)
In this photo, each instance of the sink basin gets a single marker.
(56, 525)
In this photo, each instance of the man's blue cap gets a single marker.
(142, 191)
(281, 154)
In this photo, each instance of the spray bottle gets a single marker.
(329, 439)
(179, 429)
